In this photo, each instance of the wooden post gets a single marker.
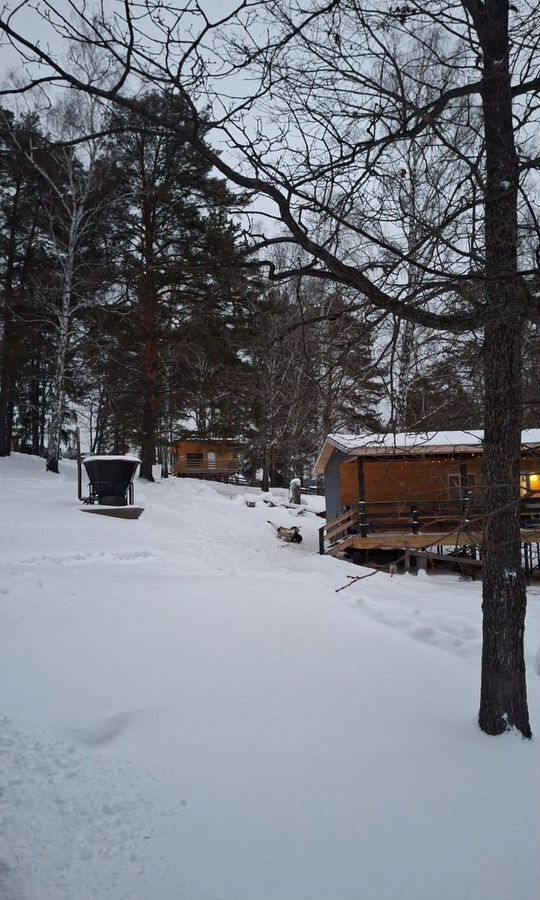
(466, 505)
(79, 462)
(525, 553)
(363, 520)
(321, 540)
(415, 525)
(361, 481)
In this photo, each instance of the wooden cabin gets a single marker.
(408, 483)
(198, 458)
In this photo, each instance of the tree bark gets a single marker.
(265, 483)
(64, 333)
(149, 319)
(58, 390)
(35, 397)
(503, 701)
(148, 302)
(8, 356)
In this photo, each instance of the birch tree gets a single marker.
(71, 215)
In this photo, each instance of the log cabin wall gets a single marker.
(350, 484)
(333, 485)
(422, 479)
(412, 480)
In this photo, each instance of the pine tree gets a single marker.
(175, 257)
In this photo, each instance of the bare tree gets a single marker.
(302, 102)
(71, 215)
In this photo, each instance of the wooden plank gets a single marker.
(343, 517)
(321, 541)
(117, 512)
(333, 533)
(402, 540)
(348, 476)
(449, 557)
(338, 548)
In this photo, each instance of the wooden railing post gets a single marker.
(79, 462)
(363, 519)
(466, 505)
(415, 524)
(321, 540)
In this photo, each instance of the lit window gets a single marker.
(529, 482)
(534, 482)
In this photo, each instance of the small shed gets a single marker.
(206, 458)
(410, 468)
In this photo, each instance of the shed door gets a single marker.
(211, 459)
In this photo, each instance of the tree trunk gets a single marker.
(64, 330)
(148, 301)
(35, 403)
(42, 417)
(405, 377)
(164, 456)
(58, 401)
(503, 701)
(8, 355)
(265, 484)
(7, 379)
(273, 465)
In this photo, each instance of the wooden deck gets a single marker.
(416, 526)
(403, 540)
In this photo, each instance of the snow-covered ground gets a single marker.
(190, 712)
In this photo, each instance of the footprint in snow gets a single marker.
(425, 633)
(103, 731)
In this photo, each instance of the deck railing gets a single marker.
(222, 465)
(426, 516)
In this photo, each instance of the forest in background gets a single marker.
(129, 307)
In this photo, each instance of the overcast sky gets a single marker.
(32, 26)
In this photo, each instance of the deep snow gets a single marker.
(191, 711)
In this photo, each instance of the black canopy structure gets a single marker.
(111, 479)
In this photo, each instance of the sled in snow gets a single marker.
(289, 535)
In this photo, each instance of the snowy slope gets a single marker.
(191, 711)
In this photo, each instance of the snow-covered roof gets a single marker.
(132, 459)
(429, 443)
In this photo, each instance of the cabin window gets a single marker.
(194, 459)
(454, 486)
(530, 481)
(458, 486)
(211, 459)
